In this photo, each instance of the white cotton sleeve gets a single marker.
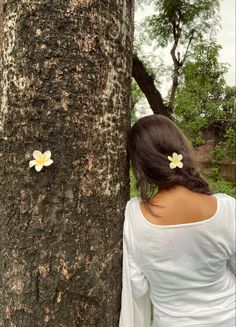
(139, 282)
(135, 312)
(230, 208)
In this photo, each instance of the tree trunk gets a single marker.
(1, 32)
(1, 27)
(175, 83)
(65, 88)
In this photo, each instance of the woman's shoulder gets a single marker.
(227, 203)
(225, 197)
(132, 201)
(129, 210)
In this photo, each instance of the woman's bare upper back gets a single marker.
(179, 206)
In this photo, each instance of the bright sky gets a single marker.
(226, 36)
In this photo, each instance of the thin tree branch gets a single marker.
(186, 51)
(177, 64)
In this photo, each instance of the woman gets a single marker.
(179, 237)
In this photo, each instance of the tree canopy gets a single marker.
(181, 18)
(181, 25)
(200, 98)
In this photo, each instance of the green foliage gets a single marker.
(133, 190)
(136, 96)
(218, 153)
(136, 92)
(201, 100)
(223, 186)
(214, 173)
(218, 184)
(230, 143)
(196, 16)
(228, 106)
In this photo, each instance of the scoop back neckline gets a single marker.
(196, 223)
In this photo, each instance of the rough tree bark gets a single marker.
(1, 5)
(1, 32)
(147, 86)
(65, 88)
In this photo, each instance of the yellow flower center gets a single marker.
(41, 160)
(175, 160)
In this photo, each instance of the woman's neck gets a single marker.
(178, 189)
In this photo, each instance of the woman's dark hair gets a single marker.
(150, 141)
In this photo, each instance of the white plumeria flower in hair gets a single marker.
(176, 161)
(41, 159)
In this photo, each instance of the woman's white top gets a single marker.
(186, 270)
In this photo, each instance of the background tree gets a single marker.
(204, 103)
(200, 98)
(180, 24)
(65, 88)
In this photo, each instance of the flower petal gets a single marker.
(170, 158)
(37, 154)
(48, 162)
(172, 165)
(175, 155)
(38, 167)
(47, 154)
(32, 163)
(180, 157)
(180, 165)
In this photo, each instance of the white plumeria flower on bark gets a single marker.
(176, 161)
(41, 159)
